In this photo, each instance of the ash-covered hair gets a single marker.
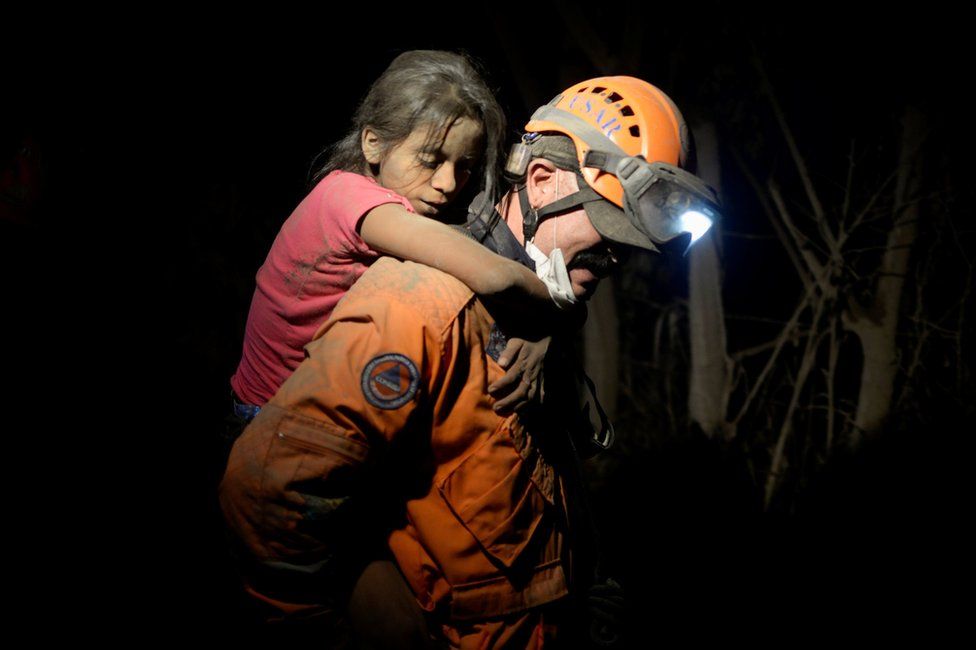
(423, 87)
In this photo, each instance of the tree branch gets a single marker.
(786, 335)
(803, 244)
(859, 219)
(798, 160)
(846, 206)
(784, 238)
(832, 357)
(809, 356)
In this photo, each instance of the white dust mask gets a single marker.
(552, 270)
(553, 273)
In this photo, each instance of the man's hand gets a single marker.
(522, 382)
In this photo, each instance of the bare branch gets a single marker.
(753, 351)
(868, 249)
(914, 365)
(832, 357)
(847, 188)
(784, 238)
(759, 349)
(957, 239)
(809, 356)
(870, 204)
(883, 274)
(756, 319)
(787, 334)
(807, 241)
(798, 160)
(744, 235)
(960, 328)
(802, 243)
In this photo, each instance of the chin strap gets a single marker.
(531, 217)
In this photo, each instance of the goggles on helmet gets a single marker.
(660, 199)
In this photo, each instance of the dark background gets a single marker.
(166, 148)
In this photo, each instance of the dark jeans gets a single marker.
(233, 427)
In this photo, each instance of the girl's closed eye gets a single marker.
(429, 162)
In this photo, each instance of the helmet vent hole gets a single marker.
(598, 90)
(627, 111)
(581, 90)
(614, 97)
(635, 131)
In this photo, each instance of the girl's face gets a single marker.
(428, 178)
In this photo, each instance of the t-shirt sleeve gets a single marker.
(348, 200)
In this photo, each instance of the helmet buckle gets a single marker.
(518, 160)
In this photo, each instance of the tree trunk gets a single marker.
(876, 325)
(709, 390)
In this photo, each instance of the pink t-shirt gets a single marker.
(316, 257)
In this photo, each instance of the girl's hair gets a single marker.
(423, 87)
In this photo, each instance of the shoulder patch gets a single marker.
(390, 380)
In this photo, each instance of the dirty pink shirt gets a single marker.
(316, 257)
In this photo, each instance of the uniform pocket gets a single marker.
(493, 493)
(308, 474)
(305, 451)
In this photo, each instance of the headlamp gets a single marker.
(696, 223)
(661, 200)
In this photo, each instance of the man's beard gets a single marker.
(597, 260)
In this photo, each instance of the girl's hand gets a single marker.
(523, 381)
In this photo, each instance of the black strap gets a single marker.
(496, 236)
(531, 217)
(604, 439)
(585, 195)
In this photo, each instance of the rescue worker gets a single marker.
(386, 430)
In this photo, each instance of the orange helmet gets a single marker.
(634, 150)
(636, 116)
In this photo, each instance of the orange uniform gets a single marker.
(392, 399)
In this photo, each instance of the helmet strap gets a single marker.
(585, 195)
(530, 217)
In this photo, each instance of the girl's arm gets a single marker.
(391, 229)
(509, 286)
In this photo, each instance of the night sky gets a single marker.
(168, 146)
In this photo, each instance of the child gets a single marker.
(426, 126)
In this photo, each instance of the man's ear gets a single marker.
(540, 179)
(370, 143)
